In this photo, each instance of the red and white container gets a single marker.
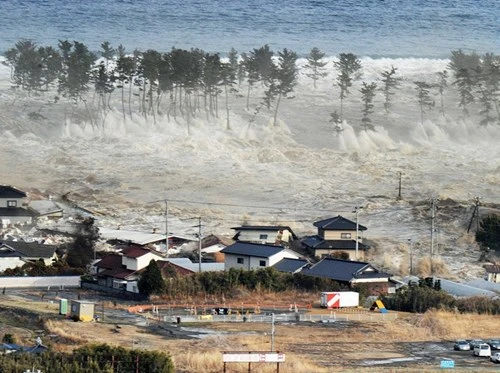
(339, 299)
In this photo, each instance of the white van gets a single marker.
(482, 349)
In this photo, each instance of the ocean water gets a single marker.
(373, 28)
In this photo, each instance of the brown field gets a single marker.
(309, 347)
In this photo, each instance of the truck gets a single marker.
(339, 299)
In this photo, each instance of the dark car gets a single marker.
(494, 344)
(461, 345)
(475, 342)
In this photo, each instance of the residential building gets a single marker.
(11, 207)
(272, 234)
(248, 255)
(292, 265)
(119, 270)
(335, 236)
(353, 273)
(17, 253)
(492, 273)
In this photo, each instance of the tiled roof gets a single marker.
(342, 270)
(30, 249)
(338, 223)
(135, 251)
(7, 191)
(252, 249)
(316, 242)
(492, 268)
(271, 228)
(110, 261)
(290, 265)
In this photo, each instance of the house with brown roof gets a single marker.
(335, 236)
(122, 270)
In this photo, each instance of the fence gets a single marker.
(56, 282)
(295, 317)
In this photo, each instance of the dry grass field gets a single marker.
(309, 347)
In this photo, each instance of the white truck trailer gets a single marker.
(339, 299)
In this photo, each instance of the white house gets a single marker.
(11, 210)
(17, 253)
(247, 255)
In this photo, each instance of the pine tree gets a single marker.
(441, 85)
(348, 66)
(151, 281)
(282, 80)
(316, 64)
(425, 102)
(367, 95)
(390, 82)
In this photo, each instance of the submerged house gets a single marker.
(265, 234)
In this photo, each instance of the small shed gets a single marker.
(82, 310)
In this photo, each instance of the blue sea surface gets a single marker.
(375, 28)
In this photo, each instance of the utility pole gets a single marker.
(410, 241)
(166, 225)
(356, 209)
(475, 214)
(433, 217)
(272, 332)
(399, 189)
(199, 244)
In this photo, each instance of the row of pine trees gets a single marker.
(190, 83)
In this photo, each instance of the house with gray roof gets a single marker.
(11, 207)
(15, 254)
(352, 273)
(248, 255)
(337, 235)
(290, 265)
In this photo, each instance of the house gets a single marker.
(122, 270)
(17, 253)
(278, 234)
(291, 265)
(335, 236)
(11, 210)
(352, 273)
(184, 267)
(248, 255)
(126, 237)
(492, 273)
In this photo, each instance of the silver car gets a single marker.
(461, 345)
(495, 357)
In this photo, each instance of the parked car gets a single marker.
(461, 345)
(475, 342)
(482, 349)
(495, 357)
(494, 344)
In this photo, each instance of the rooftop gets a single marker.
(339, 223)
(252, 249)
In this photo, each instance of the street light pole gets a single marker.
(356, 209)
(411, 255)
(272, 332)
